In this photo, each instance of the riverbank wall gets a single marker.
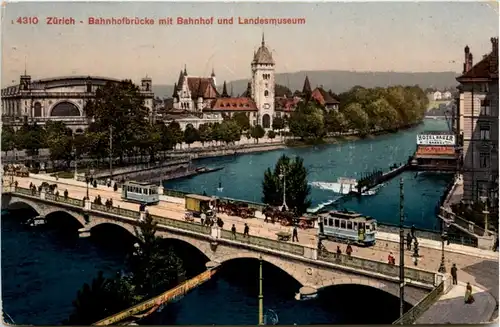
(178, 166)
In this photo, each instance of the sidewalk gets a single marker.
(432, 244)
(451, 309)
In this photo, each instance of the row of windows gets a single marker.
(266, 76)
(140, 190)
(346, 224)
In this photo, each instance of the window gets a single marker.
(355, 225)
(349, 225)
(266, 93)
(485, 133)
(330, 222)
(485, 107)
(342, 224)
(484, 160)
(337, 223)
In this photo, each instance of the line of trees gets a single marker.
(362, 110)
(151, 270)
(118, 111)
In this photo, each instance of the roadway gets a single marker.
(479, 267)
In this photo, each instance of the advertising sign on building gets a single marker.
(435, 150)
(436, 139)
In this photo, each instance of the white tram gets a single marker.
(347, 226)
(140, 192)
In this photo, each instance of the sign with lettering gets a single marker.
(436, 150)
(435, 139)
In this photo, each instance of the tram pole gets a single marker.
(111, 152)
(401, 250)
(261, 296)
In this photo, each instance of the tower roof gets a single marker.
(224, 91)
(263, 55)
(307, 86)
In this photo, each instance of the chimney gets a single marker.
(494, 56)
(470, 62)
(466, 59)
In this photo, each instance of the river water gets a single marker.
(43, 268)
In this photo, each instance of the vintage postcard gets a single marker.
(242, 163)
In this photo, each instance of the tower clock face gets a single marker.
(267, 105)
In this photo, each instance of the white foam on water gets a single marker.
(322, 205)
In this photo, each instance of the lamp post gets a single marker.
(444, 237)
(401, 250)
(484, 200)
(76, 159)
(110, 152)
(88, 176)
(261, 296)
(283, 176)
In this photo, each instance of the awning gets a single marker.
(436, 156)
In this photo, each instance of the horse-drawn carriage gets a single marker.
(288, 217)
(197, 205)
(16, 170)
(235, 208)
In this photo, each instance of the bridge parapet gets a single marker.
(254, 243)
(411, 316)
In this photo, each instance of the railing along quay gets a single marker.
(417, 275)
(411, 316)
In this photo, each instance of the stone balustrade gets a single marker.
(417, 275)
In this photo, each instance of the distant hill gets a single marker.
(340, 81)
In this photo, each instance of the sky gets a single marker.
(382, 36)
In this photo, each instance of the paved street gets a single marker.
(479, 271)
(451, 309)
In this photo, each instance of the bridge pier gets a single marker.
(84, 232)
(306, 293)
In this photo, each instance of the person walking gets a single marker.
(233, 231)
(408, 241)
(454, 274)
(246, 231)
(468, 299)
(348, 250)
(339, 252)
(295, 234)
(412, 231)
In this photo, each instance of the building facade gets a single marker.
(198, 96)
(58, 99)
(478, 124)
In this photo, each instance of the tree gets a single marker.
(257, 132)
(242, 120)
(119, 107)
(31, 138)
(278, 123)
(102, 298)
(307, 121)
(205, 132)
(191, 135)
(358, 119)
(59, 141)
(271, 134)
(296, 184)
(175, 133)
(154, 269)
(335, 122)
(8, 139)
(230, 131)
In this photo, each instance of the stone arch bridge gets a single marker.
(308, 269)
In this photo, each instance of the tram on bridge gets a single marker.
(347, 226)
(140, 192)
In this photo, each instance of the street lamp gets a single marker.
(282, 175)
(484, 200)
(74, 155)
(444, 238)
(88, 176)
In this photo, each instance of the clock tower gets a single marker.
(263, 85)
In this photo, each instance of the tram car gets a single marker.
(140, 192)
(347, 226)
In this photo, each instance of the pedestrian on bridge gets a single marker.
(246, 231)
(348, 250)
(413, 231)
(408, 241)
(233, 231)
(454, 274)
(295, 234)
(339, 252)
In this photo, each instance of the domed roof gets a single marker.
(263, 55)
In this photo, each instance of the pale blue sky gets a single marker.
(385, 36)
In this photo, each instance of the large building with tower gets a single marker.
(199, 95)
(58, 99)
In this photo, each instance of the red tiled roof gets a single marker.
(479, 70)
(323, 97)
(234, 104)
(202, 87)
(286, 104)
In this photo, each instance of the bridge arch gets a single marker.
(388, 287)
(78, 218)
(286, 267)
(16, 203)
(96, 222)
